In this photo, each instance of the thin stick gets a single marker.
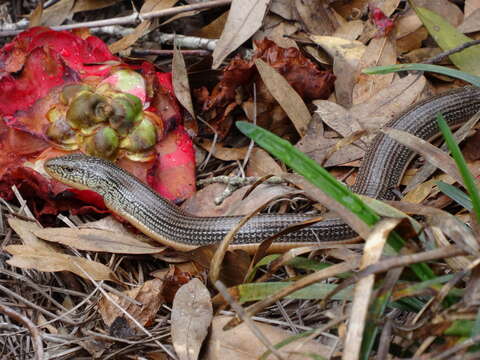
(36, 337)
(132, 18)
(457, 49)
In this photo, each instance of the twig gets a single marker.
(36, 337)
(188, 42)
(447, 53)
(133, 18)
(169, 53)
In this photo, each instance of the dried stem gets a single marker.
(36, 336)
(133, 18)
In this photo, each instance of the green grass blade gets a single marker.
(457, 74)
(455, 194)
(467, 177)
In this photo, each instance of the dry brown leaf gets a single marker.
(221, 152)
(27, 257)
(35, 17)
(471, 23)
(261, 163)
(214, 29)
(318, 147)
(144, 27)
(88, 5)
(202, 203)
(244, 19)
(192, 314)
(388, 103)
(421, 191)
(363, 288)
(346, 56)
(285, 95)
(316, 16)
(471, 6)
(412, 41)
(352, 8)
(350, 30)
(180, 82)
(380, 51)
(240, 343)
(337, 117)
(284, 8)
(25, 230)
(98, 240)
(56, 14)
(130, 39)
(149, 295)
(387, 6)
(278, 31)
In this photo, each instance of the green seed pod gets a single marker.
(87, 110)
(69, 92)
(62, 134)
(104, 143)
(142, 138)
(126, 113)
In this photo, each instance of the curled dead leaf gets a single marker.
(191, 317)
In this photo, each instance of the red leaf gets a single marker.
(173, 174)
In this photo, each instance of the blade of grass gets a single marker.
(472, 79)
(461, 164)
(455, 194)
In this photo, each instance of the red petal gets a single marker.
(173, 174)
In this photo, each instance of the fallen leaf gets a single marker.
(26, 229)
(287, 97)
(98, 240)
(471, 23)
(389, 103)
(191, 316)
(261, 163)
(277, 30)
(244, 19)
(336, 117)
(130, 39)
(346, 56)
(88, 5)
(350, 30)
(311, 11)
(148, 295)
(57, 13)
(222, 152)
(214, 29)
(240, 343)
(27, 257)
(180, 82)
(380, 51)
